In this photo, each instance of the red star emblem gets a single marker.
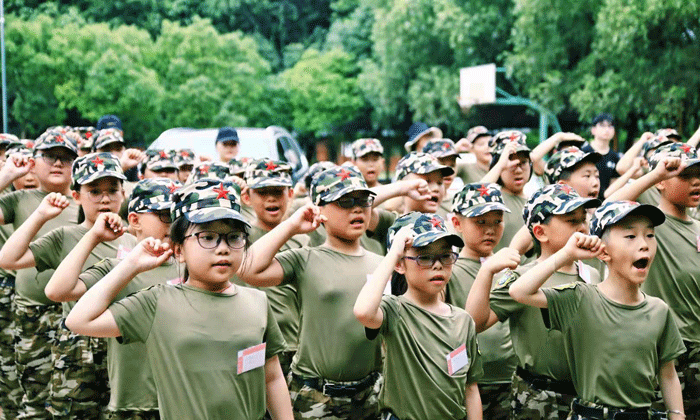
(686, 148)
(221, 191)
(567, 189)
(30, 145)
(368, 142)
(97, 161)
(446, 146)
(270, 166)
(59, 139)
(436, 222)
(172, 187)
(344, 175)
(513, 136)
(204, 169)
(88, 135)
(184, 154)
(483, 190)
(163, 155)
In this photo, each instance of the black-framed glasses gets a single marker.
(428, 260)
(52, 159)
(163, 215)
(211, 240)
(350, 202)
(96, 195)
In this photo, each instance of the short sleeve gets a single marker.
(390, 312)
(500, 301)
(386, 219)
(275, 343)
(670, 344)
(476, 369)
(563, 303)
(292, 262)
(48, 250)
(8, 204)
(135, 313)
(95, 273)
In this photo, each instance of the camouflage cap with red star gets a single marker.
(477, 199)
(108, 136)
(6, 139)
(265, 172)
(158, 159)
(55, 137)
(94, 166)
(676, 150)
(333, 183)
(361, 147)
(207, 200)
(566, 159)
(499, 141)
(427, 228)
(554, 199)
(613, 212)
(152, 194)
(421, 164)
(209, 169)
(440, 148)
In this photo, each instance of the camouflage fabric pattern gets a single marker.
(333, 183)
(132, 415)
(419, 163)
(653, 144)
(207, 200)
(308, 403)
(440, 148)
(676, 150)
(688, 368)
(184, 157)
(6, 139)
(88, 136)
(316, 169)
(10, 391)
(529, 403)
(218, 170)
(108, 136)
(35, 331)
(427, 228)
(55, 138)
(18, 148)
(265, 172)
(361, 147)
(612, 212)
(567, 159)
(152, 194)
(651, 414)
(158, 160)
(670, 133)
(554, 199)
(476, 132)
(495, 401)
(499, 141)
(237, 166)
(79, 384)
(478, 198)
(93, 166)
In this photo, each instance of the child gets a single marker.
(227, 144)
(76, 383)
(185, 163)
(368, 156)
(432, 358)
(35, 317)
(159, 164)
(444, 151)
(336, 369)
(478, 216)
(542, 387)
(511, 168)
(87, 139)
(603, 131)
(557, 142)
(212, 345)
(618, 341)
(477, 143)
(131, 384)
(419, 133)
(675, 274)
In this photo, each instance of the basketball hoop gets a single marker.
(477, 85)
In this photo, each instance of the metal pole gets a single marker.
(4, 73)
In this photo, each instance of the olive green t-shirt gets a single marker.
(513, 221)
(674, 275)
(52, 248)
(332, 343)
(5, 232)
(193, 338)
(470, 172)
(539, 349)
(371, 241)
(615, 351)
(417, 379)
(16, 207)
(131, 383)
(283, 299)
(497, 353)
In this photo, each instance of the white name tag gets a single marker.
(697, 238)
(122, 252)
(251, 358)
(584, 272)
(457, 360)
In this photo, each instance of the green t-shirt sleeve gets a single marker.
(500, 301)
(135, 313)
(476, 369)
(562, 304)
(670, 344)
(292, 262)
(275, 343)
(390, 311)
(8, 203)
(48, 250)
(95, 273)
(386, 219)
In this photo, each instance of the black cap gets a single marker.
(603, 117)
(109, 121)
(227, 134)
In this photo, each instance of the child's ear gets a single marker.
(400, 266)
(604, 255)
(245, 196)
(661, 185)
(539, 232)
(31, 162)
(134, 220)
(290, 193)
(456, 223)
(177, 252)
(76, 196)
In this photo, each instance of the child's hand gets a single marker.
(52, 205)
(562, 136)
(240, 182)
(669, 167)
(131, 158)
(403, 239)
(416, 189)
(107, 227)
(508, 150)
(505, 258)
(16, 166)
(646, 137)
(149, 254)
(581, 247)
(307, 219)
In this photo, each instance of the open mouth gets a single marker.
(593, 194)
(358, 221)
(437, 279)
(695, 195)
(104, 210)
(272, 209)
(434, 199)
(641, 263)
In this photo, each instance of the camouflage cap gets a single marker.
(333, 183)
(158, 160)
(265, 172)
(55, 138)
(476, 132)
(6, 139)
(361, 147)
(214, 170)
(477, 199)
(88, 136)
(238, 165)
(419, 163)
(93, 166)
(152, 194)
(567, 159)
(108, 136)
(554, 199)
(427, 228)
(669, 133)
(499, 141)
(207, 200)
(18, 147)
(316, 169)
(440, 148)
(678, 150)
(613, 212)
(184, 157)
(654, 143)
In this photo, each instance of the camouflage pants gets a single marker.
(651, 414)
(35, 330)
(308, 403)
(688, 367)
(133, 415)
(10, 391)
(78, 388)
(495, 401)
(529, 403)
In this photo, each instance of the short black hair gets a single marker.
(603, 117)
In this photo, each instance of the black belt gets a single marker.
(388, 415)
(545, 383)
(334, 389)
(615, 413)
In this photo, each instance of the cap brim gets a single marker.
(654, 214)
(271, 183)
(160, 167)
(347, 190)
(446, 170)
(481, 209)
(430, 237)
(213, 214)
(586, 203)
(53, 146)
(359, 155)
(409, 144)
(99, 175)
(691, 162)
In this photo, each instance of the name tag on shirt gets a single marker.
(457, 360)
(251, 358)
(697, 239)
(584, 272)
(122, 252)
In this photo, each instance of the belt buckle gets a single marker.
(323, 388)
